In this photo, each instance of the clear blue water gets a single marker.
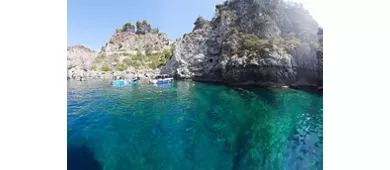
(192, 125)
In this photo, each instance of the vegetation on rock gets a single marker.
(105, 68)
(143, 27)
(167, 54)
(218, 6)
(155, 30)
(128, 27)
(93, 68)
(199, 23)
(121, 67)
(254, 44)
(139, 60)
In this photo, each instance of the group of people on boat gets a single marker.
(161, 79)
(158, 79)
(120, 81)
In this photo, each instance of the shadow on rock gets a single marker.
(309, 89)
(82, 158)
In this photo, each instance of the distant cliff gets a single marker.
(80, 59)
(132, 51)
(251, 42)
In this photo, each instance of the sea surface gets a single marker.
(192, 126)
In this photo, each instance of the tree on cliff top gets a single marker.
(155, 30)
(200, 22)
(147, 26)
(143, 27)
(128, 27)
(139, 26)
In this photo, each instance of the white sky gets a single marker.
(316, 9)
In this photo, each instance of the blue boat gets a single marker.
(122, 82)
(161, 79)
(119, 82)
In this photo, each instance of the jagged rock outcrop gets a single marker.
(131, 43)
(79, 58)
(261, 42)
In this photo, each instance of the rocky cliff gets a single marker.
(80, 59)
(130, 53)
(251, 42)
(131, 43)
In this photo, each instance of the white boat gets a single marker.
(161, 79)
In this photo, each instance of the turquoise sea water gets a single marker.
(192, 125)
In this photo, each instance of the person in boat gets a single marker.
(118, 78)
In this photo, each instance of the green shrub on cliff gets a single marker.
(162, 62)
(138, 56)
(152, 61)
(99, 59)
(121, 67)
(143, 27)
(93, 68)
(148, 48)
(218, 6)
(251, 41)
(133, 62)
(136, 64)
(152, 57)
(199, 23)
(253, 44)
(127, 61)
(167, 54)
(128, 27)
(153, 65)
(155, 30)
(105, 68)
(290, 43)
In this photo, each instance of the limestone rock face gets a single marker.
(131, 43)
(126, 55)
(282, 48)
(80, 59)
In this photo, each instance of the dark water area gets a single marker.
(192, 125)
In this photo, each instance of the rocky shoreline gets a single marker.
(128, 74)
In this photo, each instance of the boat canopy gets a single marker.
(162, 76)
